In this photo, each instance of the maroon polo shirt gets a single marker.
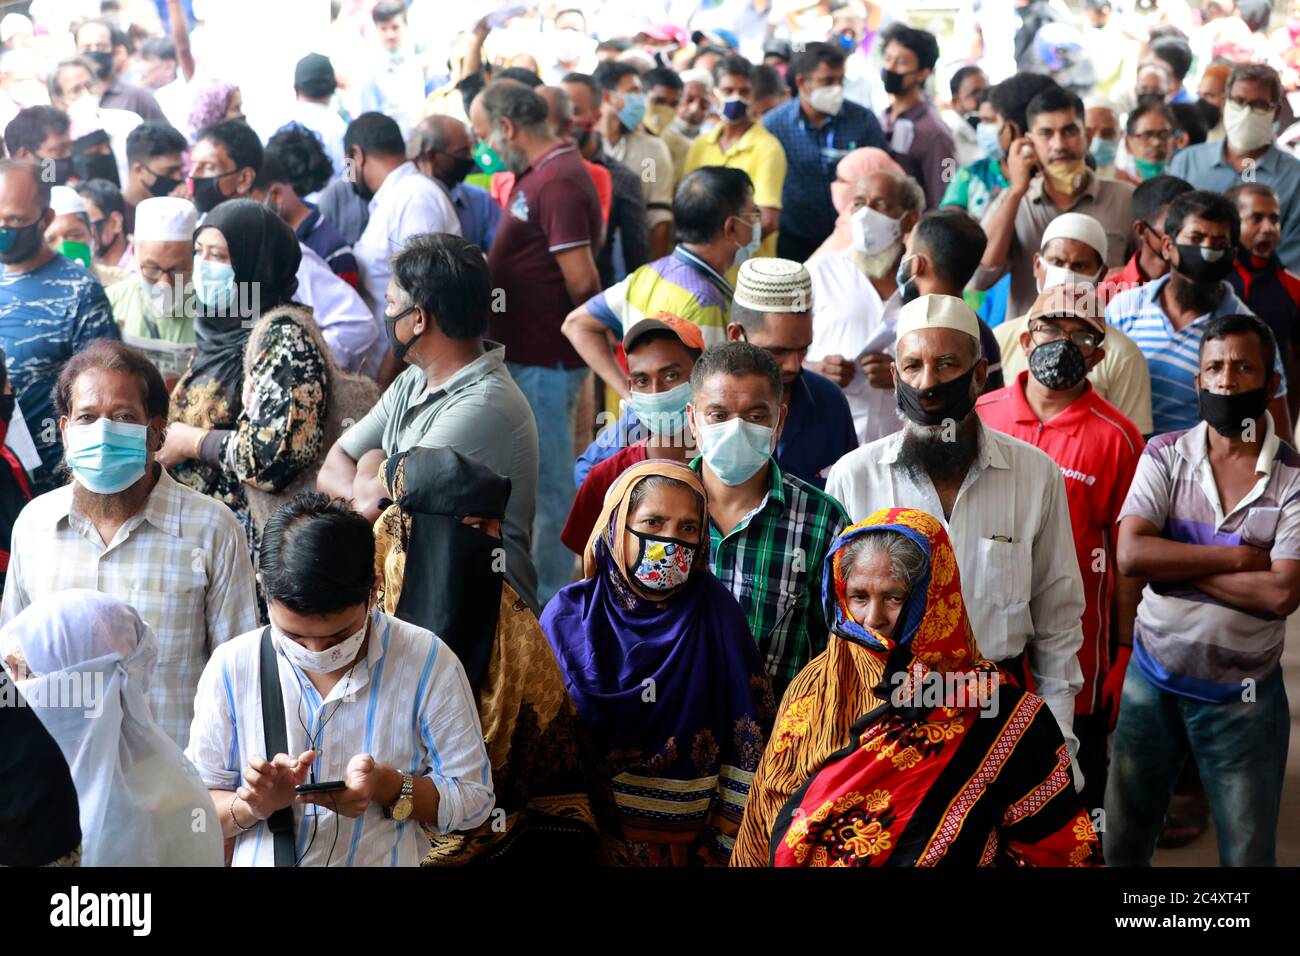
(552, 207)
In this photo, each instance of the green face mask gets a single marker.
(487, 158)
(76, 251)
(1147, 169)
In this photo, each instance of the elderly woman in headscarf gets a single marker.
(247, 417)
(84, 661)
(665, 674)
(217, 101)
(899, 745)
(850, 169)
(438, 556)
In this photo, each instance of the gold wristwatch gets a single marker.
(400, 810)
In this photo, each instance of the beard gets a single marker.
(877, 265)
(925, 448)
(121, 505)
(1196, 296)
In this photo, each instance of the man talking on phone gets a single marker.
(334, 736)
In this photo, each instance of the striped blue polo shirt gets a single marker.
(1171, 353)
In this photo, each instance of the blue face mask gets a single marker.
(662, 413)
(214, 283)
(106, 457)
(735, 449)
(986, 137)
(633, 111)
(1104, 150)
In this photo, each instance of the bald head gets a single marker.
(440, 148)
(24, 205)
(559, 110)
(21, 181)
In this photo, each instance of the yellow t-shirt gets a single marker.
(760, 155)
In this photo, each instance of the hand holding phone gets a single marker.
(321, 787)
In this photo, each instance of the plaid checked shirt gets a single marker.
(182, 563)
(772, 562)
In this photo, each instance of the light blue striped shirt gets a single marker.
(1172, 354)
(407, 703)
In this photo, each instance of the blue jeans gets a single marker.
(1240, 749)
(552, 394)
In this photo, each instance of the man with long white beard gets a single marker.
(1002, 501)
(855, 297)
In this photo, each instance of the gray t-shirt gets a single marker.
(480, 413)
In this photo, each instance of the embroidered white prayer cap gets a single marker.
(773, 285)
(1076, 225)
(165, 219)
(937, 312)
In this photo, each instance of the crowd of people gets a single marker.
(673, 433)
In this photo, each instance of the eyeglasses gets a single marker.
(1154, 136)
(1044, 333)
(1259, 106)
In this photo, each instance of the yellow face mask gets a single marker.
(1065, 176)
(657, 118)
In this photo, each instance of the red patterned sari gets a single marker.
(955, 764)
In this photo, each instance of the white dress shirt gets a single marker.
(407, 703)
(406, 204)
(182, 562)
(343, 316)
(847, 313)
(1010, 527)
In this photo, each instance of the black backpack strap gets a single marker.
(277, 742)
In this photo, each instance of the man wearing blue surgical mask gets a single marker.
(125, 527)
(768, 530)
(622, 109)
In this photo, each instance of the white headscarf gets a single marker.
(142, 802)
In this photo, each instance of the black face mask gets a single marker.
(893, 81)
(62, 170)
(22, 241)
(907, 288)
(1195, 265)
(207, 191)
(103, 62)
(399, 347)
(1228, 414)
(1057, 365)
(359, 184)
(162, 185)
(972, 120)
(7, 407)
(88, 166)
(461, 167)
(955, 395)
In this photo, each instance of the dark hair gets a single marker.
(733, 65)
(736, 358)
(1142, 109)
(1217, 328)
(510, 99)
(1011, 97)
(589, 81)
(317, 555)
(813, 55)
(32, 126)
(153, 139)
(386, 10)
(1258, 73)
(241, 143)
(645, 338)
(1155, 194)
(660, 76)
(609, 73)
(1254, 13)
(36, 172)
(1189, 118)
(1053, 100)
(104, 194)
(959, 78)
(767, 81)
(707, 50)
(448, 277)
(1234, 194)
(706, 198)
(1175, 52)
(921, 42)
(158, 48)
(299, 157)
(375, 135)
(954, 241)
(617, 44)
(112, 356)
(1212, 207)
(520, 75)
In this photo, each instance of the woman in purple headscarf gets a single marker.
(217, 101)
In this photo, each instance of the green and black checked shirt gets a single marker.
(772, 562)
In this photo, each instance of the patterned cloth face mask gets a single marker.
(662, 564)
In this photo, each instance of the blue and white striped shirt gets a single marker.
(1172, 354)
(407, 703)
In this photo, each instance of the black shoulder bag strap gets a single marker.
(277, 742)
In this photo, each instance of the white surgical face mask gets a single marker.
(827, 99)
(1059, 275)
(873, 231)
(1247, 129)
(322, 662)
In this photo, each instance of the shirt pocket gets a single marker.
(178, 622)
(1002, 576)
(1259, 527)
